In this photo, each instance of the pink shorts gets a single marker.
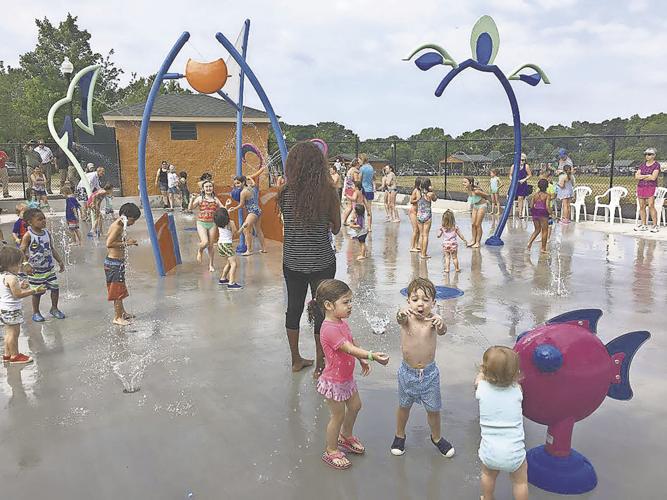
(645, 191)
(338, 391)
(450, 246)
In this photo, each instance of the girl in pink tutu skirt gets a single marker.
(449, 231)
(333, 300)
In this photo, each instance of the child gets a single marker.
(501, 420)
(449, 231)
(172, 186)
(566, 184)
(477, 201)
(494, 187)
(114, 263)
(40, 251)
(12, 290)
(333, 300)
(412, 215)
(38, 185)
(208, 203)
(20, 226)
(72, 214)
(31, 202)
(94, 205)
(227, 232)
(541, 211)
(185, 191)
(424, 214)
(359, 230)
(418, 376)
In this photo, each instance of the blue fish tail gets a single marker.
(589, 316)
(628, 344)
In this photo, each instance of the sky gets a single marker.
(341, 60)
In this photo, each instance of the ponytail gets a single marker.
(315, 312)
(329, 290)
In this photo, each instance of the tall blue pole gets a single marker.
(242, 247)
(143, 136)
(260, 93)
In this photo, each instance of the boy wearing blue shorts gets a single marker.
(418, 375)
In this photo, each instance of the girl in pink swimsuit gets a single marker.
(449, 232)
(333, 300)
(541, 212)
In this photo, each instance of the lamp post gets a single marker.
(67, 68)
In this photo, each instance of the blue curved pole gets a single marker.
(242, 247)
(143, 136)
(260, 93)
(495, 239)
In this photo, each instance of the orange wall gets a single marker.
(213, 151)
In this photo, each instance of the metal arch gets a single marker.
(143, 135)
(260, 93)
(495, 239)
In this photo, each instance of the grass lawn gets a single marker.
(598, 184)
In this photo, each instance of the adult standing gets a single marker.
(391, 189)
(62, 164)
(336, 179)
(523, 189)
(310, 209)
(32, 157)
(647, 182)
(367, 173)
(351, 177)
(47, 158)
(4, 175)
(162, 182)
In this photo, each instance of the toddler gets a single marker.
(72, 214)
(333, 300)
(20, 226)
(31, 201)
(226, 233)
(424, 214)
(38, 247)
(418, 376)
(449, 232)
(494, 187)
(359, 230)
(12, 290)
(501, 421)
(185, 191)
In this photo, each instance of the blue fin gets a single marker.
(428, 60)
(591, 316)
(532, 79)
(628, 344)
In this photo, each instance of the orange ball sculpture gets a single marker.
(206, 78)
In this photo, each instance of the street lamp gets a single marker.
(67, 68)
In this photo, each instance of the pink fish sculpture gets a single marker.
(567, 374)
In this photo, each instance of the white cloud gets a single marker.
(341, 60)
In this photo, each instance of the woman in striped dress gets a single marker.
(310, 208)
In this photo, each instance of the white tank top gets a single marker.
(7, 300)
(225, 235)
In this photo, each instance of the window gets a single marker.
(183, 131)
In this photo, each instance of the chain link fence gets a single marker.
(600, 161)
(21, 159)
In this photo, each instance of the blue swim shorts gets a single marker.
(420, 386)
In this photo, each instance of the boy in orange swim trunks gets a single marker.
(114, 263)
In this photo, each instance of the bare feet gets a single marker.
(414, 249)
(200, 252)
(211, 269)
(469, 245)
(476, 245)
(457, 270)
(424, 257)
(120, 322)
(318, 371)
(301, 364)
(447, 271)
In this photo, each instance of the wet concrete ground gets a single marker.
(220, 414)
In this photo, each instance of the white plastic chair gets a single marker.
(524, 212)
(660, 208)
(580, 193)
(615, 194)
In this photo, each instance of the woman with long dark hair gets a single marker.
(310, 208)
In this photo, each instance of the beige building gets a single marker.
(194, 132)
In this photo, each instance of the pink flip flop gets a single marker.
(328, 458)
(351, 444)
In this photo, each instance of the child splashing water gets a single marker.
(208, 203)
(12, 290)
(425, 214)
(477, 201)
(502, 447)
(418, 376)
(333, 300)
(541, 211)
(249, 201)
(449, 232)
(228, 231)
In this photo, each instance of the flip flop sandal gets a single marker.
(351, 444)
(339, 455)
